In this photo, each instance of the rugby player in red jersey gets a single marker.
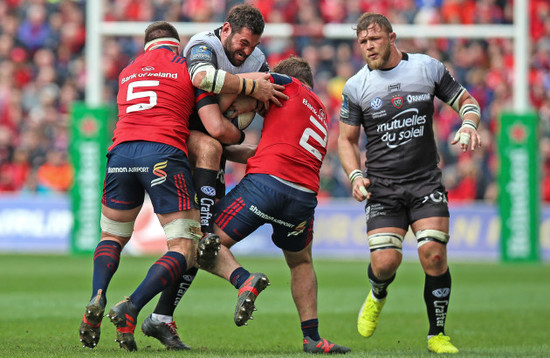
(280, 188)
(149, 155)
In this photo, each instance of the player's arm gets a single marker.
(238, 103)
(239, 153)
(214, 122)
(469, 111)
(348, 152)
(205, 75)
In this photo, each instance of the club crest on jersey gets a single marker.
(397, 102)
(376, 103)
(148, 68)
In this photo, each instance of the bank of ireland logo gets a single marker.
(376, 103)
(161, 174)
(397, 102)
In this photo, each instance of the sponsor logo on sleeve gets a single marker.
(201, 52)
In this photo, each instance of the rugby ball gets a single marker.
(243, 120)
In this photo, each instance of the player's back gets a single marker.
(155, 99)
(294, 137)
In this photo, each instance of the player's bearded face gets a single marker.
(381, 59)
(239, 45)
(375, 46)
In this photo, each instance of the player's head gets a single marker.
(296, 67)
(161, 33)
(241, 32)
(376, 39)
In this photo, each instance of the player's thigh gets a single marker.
(169, 181)
(296, 258)
(236, 214)
(204, 151)
(122, 188)
(386, 207)
(428, 200)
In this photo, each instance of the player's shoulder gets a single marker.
(422, 59)
(256, 60)
(357, 80)
(205, 38)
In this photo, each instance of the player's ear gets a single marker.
(393, 36)
(226, 29)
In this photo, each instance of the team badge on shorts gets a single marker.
(299, 229)
(161, 174)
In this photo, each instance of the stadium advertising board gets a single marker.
(519, 186)
(87, 151)
(44, 224)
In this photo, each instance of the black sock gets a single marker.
(310, 328)
(437, 291)
(239, 276)
(172, 294)
(378, 287)
(106, 259)
(205, 184)
(162, 274)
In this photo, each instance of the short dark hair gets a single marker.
(370, 18)
(160, 29)
(296, 67)
(245, 15)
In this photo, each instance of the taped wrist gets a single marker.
(247, 86)
(354, 175)
(472, 109)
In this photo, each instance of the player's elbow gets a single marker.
(197, 79)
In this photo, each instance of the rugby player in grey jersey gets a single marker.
(392, 98)
(214, 59)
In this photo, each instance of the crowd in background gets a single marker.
(43, 71)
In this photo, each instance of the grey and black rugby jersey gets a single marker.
(396, 107)
(207, 47)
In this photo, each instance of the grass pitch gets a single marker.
(496, 310)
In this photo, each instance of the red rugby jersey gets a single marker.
(155, 99)
(294, 138)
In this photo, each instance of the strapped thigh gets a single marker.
(385, 240)
(423, 236)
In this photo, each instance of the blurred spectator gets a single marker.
(56, 174)
(43, 71)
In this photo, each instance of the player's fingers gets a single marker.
(276, 101)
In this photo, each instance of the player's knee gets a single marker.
(183, 229)
(210, 147)
(116, 228)
(384, 240)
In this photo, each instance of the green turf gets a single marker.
(496, 310)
